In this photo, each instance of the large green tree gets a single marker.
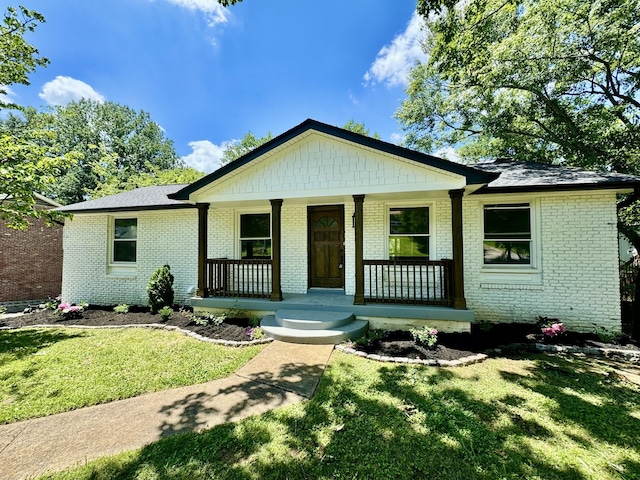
(27, 165)
(546, 80)
(238, 148)
(131, 140)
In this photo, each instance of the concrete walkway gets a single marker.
(282, 374)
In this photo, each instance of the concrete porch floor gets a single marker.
(380, 315)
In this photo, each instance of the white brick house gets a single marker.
(404, 237)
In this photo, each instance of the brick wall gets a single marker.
(164, 237)
(30, 262)
(578, 278)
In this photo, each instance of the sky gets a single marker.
(208, 75)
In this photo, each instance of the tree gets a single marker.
(156, 176)
(356, 127)
(94, 129)
(238, 148)
(26, 164)
(545, 80)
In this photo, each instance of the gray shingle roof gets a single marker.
(532, 176)
(514, 177)
(145, 198)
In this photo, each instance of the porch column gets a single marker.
(358, 298)
(459, 302)
(203, 209)
(276, 243)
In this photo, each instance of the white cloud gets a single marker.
(394, 61)
(206, 155)
(63, 90)
(214, 12)
(8, 96)
(397, 138)
(448, 153)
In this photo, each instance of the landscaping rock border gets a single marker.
(632, 356)
(479, 357)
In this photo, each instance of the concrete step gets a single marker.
(328, 336)
(312, 319)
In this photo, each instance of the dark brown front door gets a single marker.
(326, 246)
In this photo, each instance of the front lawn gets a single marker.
(49, 371)
(535, 417)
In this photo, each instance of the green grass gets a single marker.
(49, 371)
(536, 417)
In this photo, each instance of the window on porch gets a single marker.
(409, 233)
(255, 236)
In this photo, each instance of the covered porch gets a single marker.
(416, 281)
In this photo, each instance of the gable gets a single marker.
(203, 189)
(315, 164)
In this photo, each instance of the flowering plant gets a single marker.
(425, 336)
(553, 330)
(255, 333)
(68, 311)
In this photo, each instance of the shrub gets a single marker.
(122, 308)
(3, 310)
(68, 311)
(425, 336)
(165, 313)
(160, 289)
(551, 327)
(52, 303)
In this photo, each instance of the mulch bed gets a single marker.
(234, 329)
(452, 346)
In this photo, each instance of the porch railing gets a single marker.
(238, 278)
(427, 282)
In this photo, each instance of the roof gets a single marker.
(516, 176)
(473, 176)
(41, 200)
(145, 198)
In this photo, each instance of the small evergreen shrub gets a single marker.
(160, 289)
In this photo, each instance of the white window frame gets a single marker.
(239, 238)
(530, 274)
(121, 269)
(432, 224)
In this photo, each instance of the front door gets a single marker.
(326, 246)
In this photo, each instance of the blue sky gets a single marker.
(208, 75)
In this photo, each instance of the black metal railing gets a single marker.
(425, 282)
(238, 278)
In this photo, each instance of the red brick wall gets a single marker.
(30, 262)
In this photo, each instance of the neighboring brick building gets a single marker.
(31, 260)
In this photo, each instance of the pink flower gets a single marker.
(64, 306)
(549, 331)
(558, 328)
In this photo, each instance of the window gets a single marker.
(255, 235)
(507, 234)
(125, 235)
(409, 233)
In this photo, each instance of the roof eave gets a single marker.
(473, 176)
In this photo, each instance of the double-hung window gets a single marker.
(507, 234)
(125, 240)
(409, 233)
(255, 235)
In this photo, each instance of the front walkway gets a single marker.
(282, 374)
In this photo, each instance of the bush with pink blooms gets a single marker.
(551, 328)
(68, 311)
